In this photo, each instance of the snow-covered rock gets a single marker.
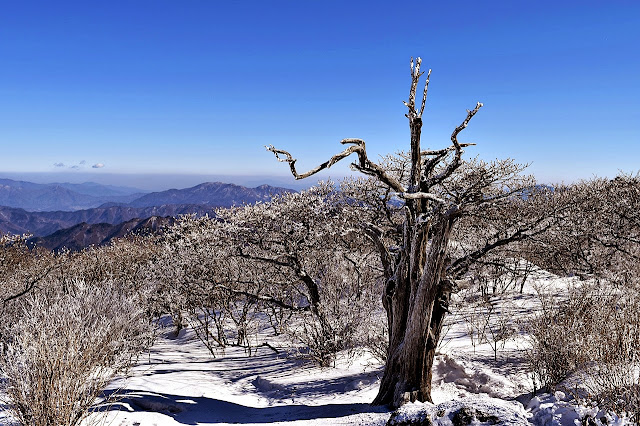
(558, 409)
(466, 411)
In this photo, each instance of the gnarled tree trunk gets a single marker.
(416, 300)
(417, 291)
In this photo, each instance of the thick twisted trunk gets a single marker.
(416, 304)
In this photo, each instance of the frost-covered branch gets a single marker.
(263, 298)
(421, 196)
(363, 165)
(455, 163)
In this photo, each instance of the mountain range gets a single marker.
(84, 235)
(44, 209)
(61, 196)
(35, 197)
(216, 194)
(19, 221)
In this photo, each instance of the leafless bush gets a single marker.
(488, 319)
(599, 234)
(500, 274)
(21, 271)
(594, 334)
(377, 337)
(127, 261)
(66, 347)
(199, 283)
(345, 319)
(277, 316)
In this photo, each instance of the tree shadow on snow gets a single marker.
(197, 410)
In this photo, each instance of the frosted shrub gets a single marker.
(347, 315)
(594, 334)
(377, 337)
(300, 264)
(66, 347)
(21, 270)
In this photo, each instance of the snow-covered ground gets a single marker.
(179, 383)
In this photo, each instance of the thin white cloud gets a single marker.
(98, 166)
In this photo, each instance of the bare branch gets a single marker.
(375, 234)
(415, 77)
(358, 145)
(268, 299)
(421, 196)
(372, 169)
(30, 285)
(269, 260)
(364, 165)
(461, 265)
(470, 114)
(455, 163)
(444, 150)
(424, 94)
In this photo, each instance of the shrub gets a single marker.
(66, 347)
(594, 334)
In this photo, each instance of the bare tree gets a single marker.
(438, 189)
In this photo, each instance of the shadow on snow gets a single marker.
(197, 410)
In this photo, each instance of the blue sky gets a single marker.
(198, 87)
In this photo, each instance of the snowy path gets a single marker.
(179, 383)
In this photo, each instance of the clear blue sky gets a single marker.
(198, 87)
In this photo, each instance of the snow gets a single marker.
(558, 410)
(178, 382)
(483, 410)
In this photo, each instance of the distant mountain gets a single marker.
(212, 194)
(61, 196)
(118, 204)
(70, 197)
(99, 190)
(19, 221)
(84, 235)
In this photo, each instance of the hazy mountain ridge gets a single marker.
(61, 196)
(80, 228)
(211, 193)
(19, 221)
(84, 235)
(101, 190)
(36, 197)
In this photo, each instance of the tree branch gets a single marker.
(415, 77)
(268, 299)
(265, 259)
(30, 285)
(461, 265)
(424, 94)
(461, 127)
(292, 161)
(444, 150)
(375, 234)
(421, 196)
(455, 163)
(364, 165)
